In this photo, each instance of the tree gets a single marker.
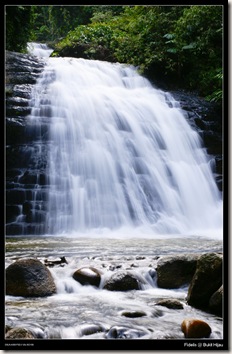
(18, 27)
(173, 44)
(41, 25)
(198, 39)
(62, 19)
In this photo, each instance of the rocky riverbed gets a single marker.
(143, 292)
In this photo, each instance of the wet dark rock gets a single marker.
(118, 332)
(122, 281)
(134, 265)
(7, 328)
(52, 263)
(175, 271)
(112, 267)
(139, 258)
(19, 333)
(215, 302)
(11, 211)
(133, 314)
(22, 71)
(157, 313)
(88, 329)
(194, 328)
(206, 118)
(206, 280)
(88, 276)
(29, 278)
(26, 149)
(170, 303)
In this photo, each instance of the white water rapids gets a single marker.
(123, 158)
(86, 312)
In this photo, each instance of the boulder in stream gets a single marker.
(122, 281)
(215, 302)
(195, 328)
(19, 333)
(170, 304)
(206, 280)
(29, 277)
(87, 276)
(176, 271)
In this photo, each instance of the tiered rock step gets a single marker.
(26, 148)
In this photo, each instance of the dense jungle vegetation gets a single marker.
(179, 45)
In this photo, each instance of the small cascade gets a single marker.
(39, 49)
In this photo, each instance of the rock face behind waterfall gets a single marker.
(25, 164)
(206, 118)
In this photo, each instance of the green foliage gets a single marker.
(105, 13)
(18, 27)
(180, 44)
(65, 18)
(217, 94)
(94, 34)
(198, 35)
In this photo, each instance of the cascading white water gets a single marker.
(122, 155)
(39, 49)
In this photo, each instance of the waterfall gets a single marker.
(122, 155)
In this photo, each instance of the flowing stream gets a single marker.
(88, 312)
(129, 180)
